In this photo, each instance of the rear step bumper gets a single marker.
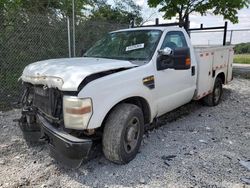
(65, 148)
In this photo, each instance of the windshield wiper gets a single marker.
(136, 59)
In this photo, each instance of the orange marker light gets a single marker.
(188, 61)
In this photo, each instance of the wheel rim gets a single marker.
(132, 135)
(217, 93)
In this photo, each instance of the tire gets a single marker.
(213, 99)
(123, 133)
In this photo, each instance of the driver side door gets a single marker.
(174, 87)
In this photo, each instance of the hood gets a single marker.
(66, 74)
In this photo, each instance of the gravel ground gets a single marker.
(196, 146)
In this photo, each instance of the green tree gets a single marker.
(183, 8)
(242, 48)
(44, 7)
(121, 12)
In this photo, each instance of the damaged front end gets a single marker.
(42, 121)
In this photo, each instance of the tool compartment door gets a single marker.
(204, 80)
(230, 65)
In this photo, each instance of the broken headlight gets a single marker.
(76, 112)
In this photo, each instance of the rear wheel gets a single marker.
(123, 133)
(214, 98)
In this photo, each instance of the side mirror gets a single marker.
(166, 51)
(178, 59)
(165, 59)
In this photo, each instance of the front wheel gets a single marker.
(123, 133)
(214, 98)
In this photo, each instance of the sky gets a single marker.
(196, 20)
(208, 21)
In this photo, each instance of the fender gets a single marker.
(108, 91)
(219, 72)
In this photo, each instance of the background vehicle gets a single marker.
(123, 83)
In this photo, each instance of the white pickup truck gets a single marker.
(123, 83)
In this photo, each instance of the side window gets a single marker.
(174, 39)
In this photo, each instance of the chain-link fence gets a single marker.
(31, 38)
(215, 37)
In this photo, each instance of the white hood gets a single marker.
(66, 74)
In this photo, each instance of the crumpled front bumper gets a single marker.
(65, 148)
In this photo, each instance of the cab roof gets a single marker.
(150, 28)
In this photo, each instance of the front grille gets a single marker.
(48, 101)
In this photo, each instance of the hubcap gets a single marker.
(132, 135)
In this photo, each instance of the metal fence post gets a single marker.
(231, 36)
(69, 44)
(73, 29)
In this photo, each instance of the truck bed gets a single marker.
(212, 60)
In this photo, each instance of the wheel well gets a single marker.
(138, 101)
(143, 104)
(222, 77)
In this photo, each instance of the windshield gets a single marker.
(126, 45)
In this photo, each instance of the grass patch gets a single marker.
(242, 58)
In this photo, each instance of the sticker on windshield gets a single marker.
(134, 47)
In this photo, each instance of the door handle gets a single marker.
(192, 70)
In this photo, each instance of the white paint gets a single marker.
(70, 71)
(173, 88)
(216, 58)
